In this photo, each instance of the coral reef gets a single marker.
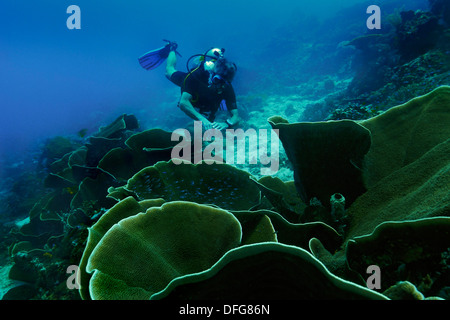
(75, 196)
(407, 58)
(417, 34)
(363, 183)
(382, 200)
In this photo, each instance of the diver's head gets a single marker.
(221, 74)
(224, 70)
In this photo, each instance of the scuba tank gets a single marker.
(206, 59)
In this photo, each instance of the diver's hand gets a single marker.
(172, 45)
(207, 125)
(220, 125)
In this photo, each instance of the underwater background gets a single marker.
(86, 148)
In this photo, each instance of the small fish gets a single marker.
(48, 255)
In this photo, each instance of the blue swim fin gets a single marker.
(154, 58)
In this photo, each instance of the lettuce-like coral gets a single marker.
(142, 149)
(266, 271)
(123, 209)
(141, 254)
(405, 250)
(408, 166)
(210, 183)
(327, 157)
(405, 133)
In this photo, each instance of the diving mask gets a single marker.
(216, 80)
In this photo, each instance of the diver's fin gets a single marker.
(154, 58)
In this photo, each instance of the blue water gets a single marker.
(56, 81)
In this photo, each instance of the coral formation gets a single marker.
(258, 226)
(158, 246)
(406, 132)
(219, 184)
(410, 153)
(403, 290)
(123, 209)
(266, 271)
(408, 250)
(351, 177)
(417, 34)
(327, 157)
(365, 184)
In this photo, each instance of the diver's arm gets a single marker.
(187, 107)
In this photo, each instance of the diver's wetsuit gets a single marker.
(206, 100)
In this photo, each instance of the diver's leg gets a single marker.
(171, 64)
(175, 76)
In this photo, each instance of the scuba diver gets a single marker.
(204, 89)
